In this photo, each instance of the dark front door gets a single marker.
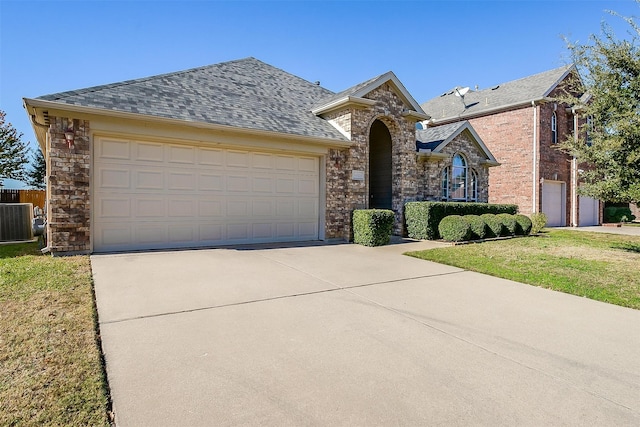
(380, 192)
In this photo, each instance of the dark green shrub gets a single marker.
(494, 225)
(372, 227)
(509, 224)
(618, 214)
(538, 222)
(523, 225)
(478, 226)
(422, 218)
(454, 228)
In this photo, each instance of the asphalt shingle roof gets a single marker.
(448, 106)
(245, 93)
(431, 137)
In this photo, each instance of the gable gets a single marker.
(432, 142)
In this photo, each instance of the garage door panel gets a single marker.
(210, 156)
(149, 152)
(210, 208)
(182, 208)
(150, 208)
(115, 149)
(263, 208)
(262, 184)
(181, 181)
(149, 180)
(151, 195)
(589, 212)
(238, 159)
(210, 182)
(151, 234)
(182, 155)
(112, 177)
(114, 208)
(237, 183)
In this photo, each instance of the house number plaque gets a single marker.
(357, 175)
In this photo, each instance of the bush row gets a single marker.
(458, 228)
(423, 218)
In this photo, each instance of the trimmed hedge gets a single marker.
(422, 218)
(372, 227)
(538, 222)
(509, 224)
(478, 226)
(494, 225)
(455, 228)
(523, 225)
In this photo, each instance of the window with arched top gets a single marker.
(459, 178)
(554, 128)
(458, 181)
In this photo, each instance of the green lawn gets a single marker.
(50, 364)
(604, 267)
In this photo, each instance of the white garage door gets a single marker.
(589, 212)
(553, 203)
(150, 195)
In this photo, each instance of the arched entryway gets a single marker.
(380, 159)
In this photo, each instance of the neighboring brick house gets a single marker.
(521, 124)
(233, 153)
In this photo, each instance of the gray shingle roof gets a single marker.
(448, 106)
(245, 93)
(433, 136)
(347, 92)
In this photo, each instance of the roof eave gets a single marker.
(33, 104)
(415, 115)
(499, 109)
(347, 101)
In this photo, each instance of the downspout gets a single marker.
(534, 204)
(574, 176)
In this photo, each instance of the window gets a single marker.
(459, 178)
(589, 129)
(458, 181)
(445, 183)
(554, 129)
(473, 186)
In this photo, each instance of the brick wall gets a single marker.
(69, 204)
(509, 137)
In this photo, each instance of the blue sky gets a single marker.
(432, 46)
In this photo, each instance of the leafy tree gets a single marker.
(38, 171)
(13, 152)
(609, 144)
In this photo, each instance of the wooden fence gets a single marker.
(35, 197)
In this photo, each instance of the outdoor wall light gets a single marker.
(69, 136)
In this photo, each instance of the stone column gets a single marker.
(69, 202)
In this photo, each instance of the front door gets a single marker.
(380, 190)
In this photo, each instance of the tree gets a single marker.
(13, 152)
(609, 144)
(38, 171)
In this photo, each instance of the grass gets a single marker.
(599, 266)
(51, 370)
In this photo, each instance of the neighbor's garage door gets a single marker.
(589, 211)
(153, 195)
(553, 203)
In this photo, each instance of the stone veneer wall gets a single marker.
(68, 197)
(431, 176)
(345, 194)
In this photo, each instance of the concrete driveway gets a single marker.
(349, 335)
